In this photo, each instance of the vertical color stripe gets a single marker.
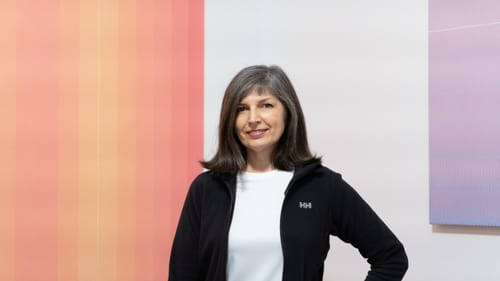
(195, 90)
(88, 208)
(188, 109)
(108, 140)
(164, 95)
(127, 124)
(100, 133)
(7, 137)
(68, 140)
(37, 127)
(146, 14)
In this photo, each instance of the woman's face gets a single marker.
(260, 122)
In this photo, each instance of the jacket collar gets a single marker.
(300, 172)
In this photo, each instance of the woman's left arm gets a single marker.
(356, 223)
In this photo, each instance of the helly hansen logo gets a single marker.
(305, 205)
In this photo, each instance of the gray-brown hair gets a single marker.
(292, 149)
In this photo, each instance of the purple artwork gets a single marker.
(464, 112)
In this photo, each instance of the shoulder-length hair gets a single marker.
(292, 150)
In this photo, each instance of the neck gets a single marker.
(259, 162)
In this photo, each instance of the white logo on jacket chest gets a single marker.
(305, 205)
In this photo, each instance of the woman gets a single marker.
(266, 207)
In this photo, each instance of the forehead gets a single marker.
(255, 95)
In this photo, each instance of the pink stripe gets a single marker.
(186, 129)
(37, 147)
(145, 141)
(195, 109)
(68, 141)
(126, 217)
(164, 97)
(169, 123)
(7, 139)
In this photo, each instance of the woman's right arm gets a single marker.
(184, 259)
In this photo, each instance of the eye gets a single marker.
(267, 105)
(241, 108)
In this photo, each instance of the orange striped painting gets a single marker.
(101, 128)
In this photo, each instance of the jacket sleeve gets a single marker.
(184, 259)
(356, 223)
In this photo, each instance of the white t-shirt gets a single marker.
(254, 246)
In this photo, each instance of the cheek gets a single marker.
(281, 123)
(238, 125)
(281, 131)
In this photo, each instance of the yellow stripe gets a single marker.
(108, 140)
(88, 172)
(7, 137)
(126, 240)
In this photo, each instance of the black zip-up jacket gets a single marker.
(317, 204)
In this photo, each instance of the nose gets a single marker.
(254, 118)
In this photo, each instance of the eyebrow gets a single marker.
(261, 100)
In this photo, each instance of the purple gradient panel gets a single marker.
(452, 13)
(464, 115)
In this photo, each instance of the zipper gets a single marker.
(232, 196)
(292, 182)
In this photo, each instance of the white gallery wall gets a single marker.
(360, 69)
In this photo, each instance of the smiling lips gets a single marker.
(255, 134)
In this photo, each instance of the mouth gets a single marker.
(255, 134)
